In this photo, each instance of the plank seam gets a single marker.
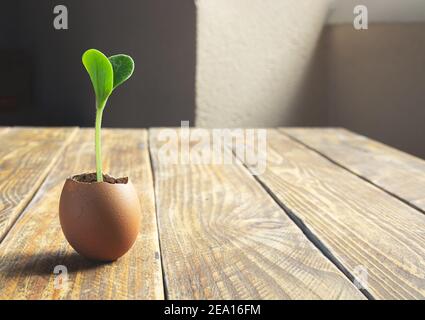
(281, 131)
(315, 240)
(49, 167)
(164, 282)
(307, 232)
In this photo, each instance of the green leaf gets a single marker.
(123, 66)
(101, 74)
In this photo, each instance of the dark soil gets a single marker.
(91, 178)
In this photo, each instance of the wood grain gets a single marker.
(359, 225)
(35, 244)
(397, 172)
(26, 156)
(223, 237)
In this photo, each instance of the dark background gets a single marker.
(43, 81)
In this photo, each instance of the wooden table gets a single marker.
(331, 208)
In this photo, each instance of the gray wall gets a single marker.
(280, 65)
(158, 34)
(376, 82)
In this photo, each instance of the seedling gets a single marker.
(106, 74)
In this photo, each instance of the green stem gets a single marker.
(98, 126)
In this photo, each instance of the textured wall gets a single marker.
(254, 61)
(271, 62)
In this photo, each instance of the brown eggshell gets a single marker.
(100, 220)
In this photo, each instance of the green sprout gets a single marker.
(106, 74)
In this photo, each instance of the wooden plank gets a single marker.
(361, 227)
(399, 173)
(223, 237)
(35, 245)
(26, 157)
(4, 130)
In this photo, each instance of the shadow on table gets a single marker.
(18, 264)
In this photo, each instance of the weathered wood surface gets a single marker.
(392, 170)
(223, 237)
(26, 156)
(222, 234)
(360, 226)
(4, 129)
(35, 244)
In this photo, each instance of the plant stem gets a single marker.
(98, 126)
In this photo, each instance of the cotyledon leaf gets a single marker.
(123, 66)
(101, 74)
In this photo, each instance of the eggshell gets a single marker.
(100, 220)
